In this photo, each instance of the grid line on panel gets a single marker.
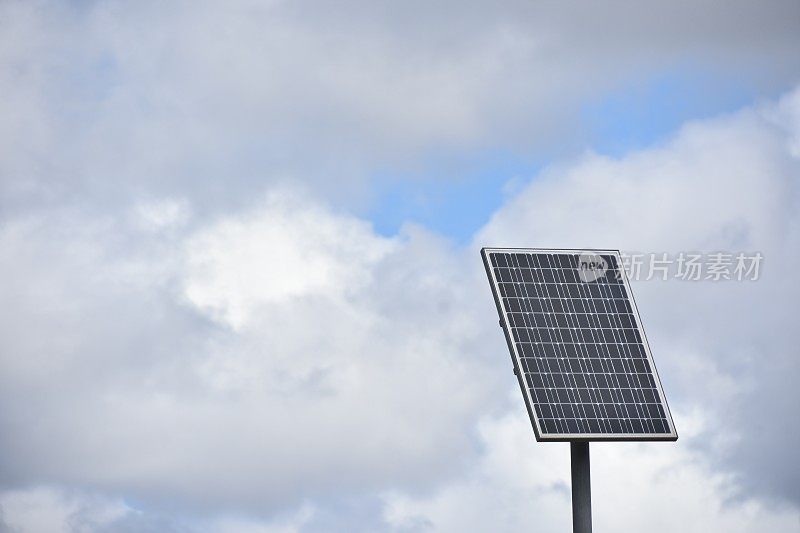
(582, 356)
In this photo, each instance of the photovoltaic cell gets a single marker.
(577, 343)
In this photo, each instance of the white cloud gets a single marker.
(47, 510)
(181, 369)
(723, 184)
(337, 378)
(519, 485)
(260, 365)
(161, 215)
(287, 249)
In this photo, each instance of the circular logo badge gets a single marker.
(591, 267)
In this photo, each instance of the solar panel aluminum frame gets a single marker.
(515, 356)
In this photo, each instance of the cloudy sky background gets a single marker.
(240, 273)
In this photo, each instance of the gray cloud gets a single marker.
(240, 366)
(104, 101)
(188, 344)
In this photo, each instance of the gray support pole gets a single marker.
(581, 488)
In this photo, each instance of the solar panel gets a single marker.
(577, 343)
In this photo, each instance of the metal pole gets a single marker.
(581, 488)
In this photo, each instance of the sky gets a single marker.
(239, 259)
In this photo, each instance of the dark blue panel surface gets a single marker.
(577, 342)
